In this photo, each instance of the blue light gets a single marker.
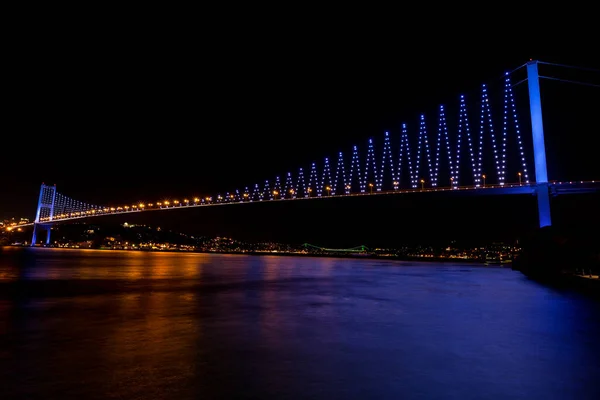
(423, 143)
(325, 178)
(267, 191)
(486, 113)
(463, 124)
(405, 151)
(313, 179)
(276, 187)
(340, 172)
(443, 131)
(289, 186)
(302, 182)
(355, 170)
(509, 98)
(386, 157)
(371, 161)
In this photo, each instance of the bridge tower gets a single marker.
(45, 211)
(539, 149)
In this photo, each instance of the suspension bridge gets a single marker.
(352, 250)
(487, 157)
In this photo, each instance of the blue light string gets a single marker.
(387, 157)
(486, 112)
(313, 179)
(405, 152)
(289, 185)
(325, 176)
(302, 182)
(423, 144)
(443, 132)
(267, 191)
(371, 160)
(463, 125)
(355, 170)
(340, 172)
(513, 110)
(277, 188)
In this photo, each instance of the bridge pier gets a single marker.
(46, 227)
(34, 235)
(539, 149)
(543, 200)
(48, 230)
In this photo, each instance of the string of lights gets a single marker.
(509, 99)
(276, 187)
(340, 172)
(380, 171)
(355, 170)
(387, 158)
(371, 161)
(486, 113)
(255, 192)
(442, 132)
(405, 151)
(301, 182)
(325, 178)
(423, 144)
(313, 179)
(463, 125)
(289, 189)
(267, 190)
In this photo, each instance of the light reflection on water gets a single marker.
(125, 325)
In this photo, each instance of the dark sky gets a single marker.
(118, 115)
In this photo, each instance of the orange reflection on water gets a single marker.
(68, 264)
(156, 335)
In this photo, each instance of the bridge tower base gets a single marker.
(36, 228)
(539, 149)
(45, 212)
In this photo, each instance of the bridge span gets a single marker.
(453, 161)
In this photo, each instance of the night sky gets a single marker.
(115, 117)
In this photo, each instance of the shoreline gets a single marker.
(265, 253)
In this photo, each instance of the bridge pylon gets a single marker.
(45, 211)
(539, 149)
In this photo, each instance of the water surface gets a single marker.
(86, 324)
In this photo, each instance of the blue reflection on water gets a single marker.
(100, 324)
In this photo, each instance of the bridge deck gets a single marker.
(556, 188)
